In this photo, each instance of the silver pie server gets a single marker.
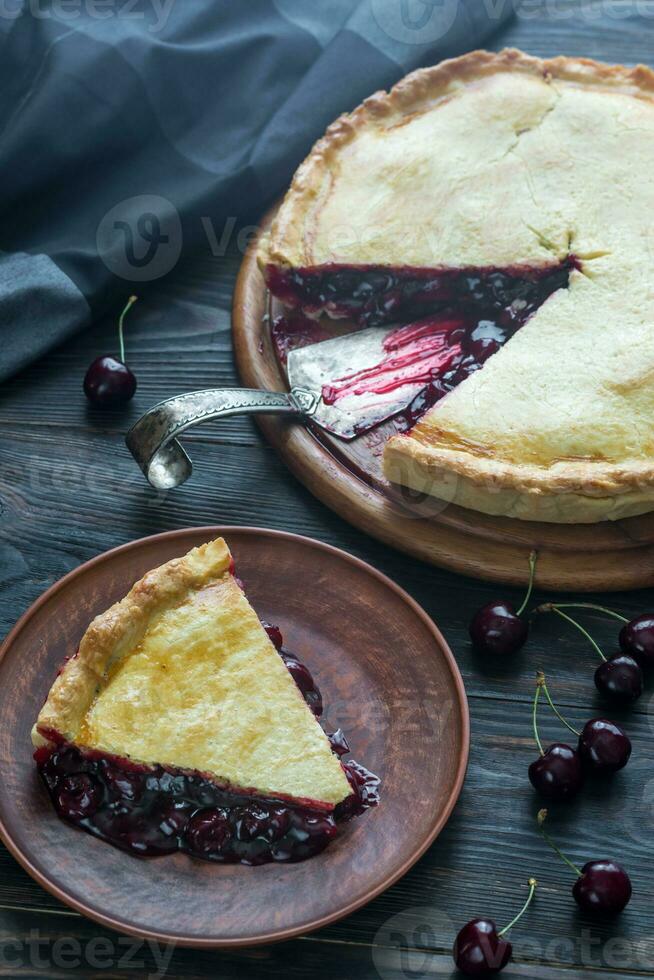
(153, 440)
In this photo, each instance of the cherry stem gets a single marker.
(551, 607)
(541, 678)
(129, 305)
(542, 817)
(533, 557)
(592, 605)
(532, 888)
(534, 714)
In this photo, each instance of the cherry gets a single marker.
(310, 834)
(497, 628)
(274, 634)
(339, 742)
(602, 888)
(365, 791)
(78, 796)
(108, 381)
(620, 678)
(209, 831)
(259, 820)
(604, 746)
(637, 639)
(558, 773)
(304, 680)
(636, 636)
(480, 950)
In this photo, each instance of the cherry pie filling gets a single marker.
(154, 810)
(455, 319)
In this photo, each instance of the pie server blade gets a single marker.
(153, 439)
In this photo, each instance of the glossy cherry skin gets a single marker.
(637, 639)
(497, 629)
(274, 634)
(479, 951)
(603, 889)
(109, 382)
(558, 774)
(620, 678)
(604, 746)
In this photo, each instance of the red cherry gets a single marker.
(274, 634)
(497, 628)
(602, 889)
(620, 678)
(604, 746)
(108, 381)
(558, 773)
(637, 639)
(209, 831)
(480, 950)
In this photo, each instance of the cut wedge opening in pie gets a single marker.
(181, 723)
(516, 193)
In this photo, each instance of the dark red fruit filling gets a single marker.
(154, 810)
(372, 295)
(471, 314)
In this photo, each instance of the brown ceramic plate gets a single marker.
(387, 678)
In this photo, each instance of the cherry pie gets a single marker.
(181, 723)
(515, 193)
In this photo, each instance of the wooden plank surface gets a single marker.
(68, 490)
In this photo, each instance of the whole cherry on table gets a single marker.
(602, 888)
(558, 774)
(108, 382)
(480, 949)
(497, 628)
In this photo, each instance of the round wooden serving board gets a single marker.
(405, 717)
(347, 477)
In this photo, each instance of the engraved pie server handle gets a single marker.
(153, 442)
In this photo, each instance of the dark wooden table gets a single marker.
(68, 491)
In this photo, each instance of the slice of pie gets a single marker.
(178, 725)
(516, 194)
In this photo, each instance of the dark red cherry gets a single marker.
(274, 634)
(637, 639)
(557, 774)
(620, 678)
(604, 746)
(304, 680)
(603, 889)
(259, 820)
(310, 833)
(109, 382)
(78, 796)
(339, 742)
(478, 949)
(209, 831)
(497, 629)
